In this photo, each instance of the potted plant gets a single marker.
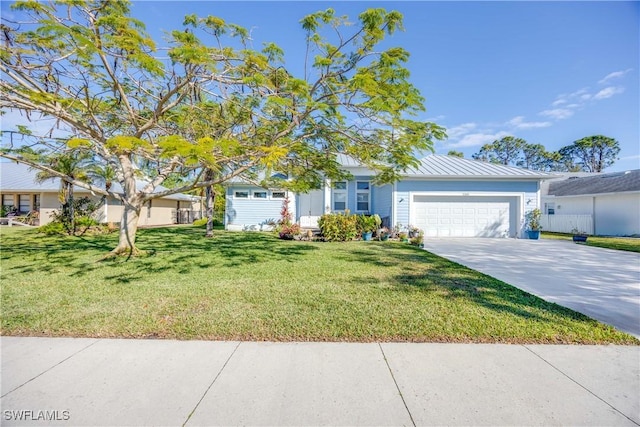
(383, 234)
(417, 239)
(403, 236)
(413, 231)
(579, 236)
(533, 224)
(367, 224)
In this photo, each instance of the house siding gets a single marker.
(252, 214)
(383, 202)
(617, 214)
(612, 214)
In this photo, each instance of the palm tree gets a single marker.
(73, 164)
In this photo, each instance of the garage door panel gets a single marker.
(474, 216)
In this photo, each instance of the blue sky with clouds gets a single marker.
(548, 72)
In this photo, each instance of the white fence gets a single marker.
(566, 223)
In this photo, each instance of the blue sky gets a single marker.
(548, 72)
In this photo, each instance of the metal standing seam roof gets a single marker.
(20, 177)
(441, 166)
(602, 183)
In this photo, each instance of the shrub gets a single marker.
(53, 228)
(289, 232)
(339, 227)
(200, 222)
(368, 223)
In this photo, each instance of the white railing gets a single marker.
(567, 223)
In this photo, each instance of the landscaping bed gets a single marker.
(254, 286)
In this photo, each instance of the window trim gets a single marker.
(550, 208)
(235, 194)
(368, 192)
(344, 191)
(253, 195)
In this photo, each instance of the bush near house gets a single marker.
(338, 227)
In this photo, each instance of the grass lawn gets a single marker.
(252, 286)
(631, 244)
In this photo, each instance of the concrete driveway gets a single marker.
(602, 283)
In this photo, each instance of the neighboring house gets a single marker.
(19, 189)
(610, 201)
(444, 196)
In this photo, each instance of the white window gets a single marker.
(259, 195)
(278, 194)
(362, 196)
(340, 196)
(24, 203)
(7, 201)
(550, 208)
(241, 195)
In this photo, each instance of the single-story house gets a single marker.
(20, 190)
(445, 196)
(611, 200)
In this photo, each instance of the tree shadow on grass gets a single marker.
(431, 274)
(180, 249)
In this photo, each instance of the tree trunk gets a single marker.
(72, 213)
(128, 229)
(209, 207)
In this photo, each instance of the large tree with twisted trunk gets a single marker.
(208, 106)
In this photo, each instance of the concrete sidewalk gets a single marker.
(82, 382)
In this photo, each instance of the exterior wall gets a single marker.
(383, 202)
(582, 205)
(48, 204)
(161, 213)
(251, 213)
(617, 214)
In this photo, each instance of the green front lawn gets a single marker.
(620, 243)
(252, 286)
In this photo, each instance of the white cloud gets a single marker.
(559, 101)
(436, 118)
(460, 130)
(585, 97)
(557, 113)
(478, 139)
(519, 123)
(614, 75)
(608, 92)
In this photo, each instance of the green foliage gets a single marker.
(368, 223)
(289, 231)
(75, 217)
(592, 153)
(202, 222)
(339, 227)
(533, 219)
(217, 103)
(455, 153)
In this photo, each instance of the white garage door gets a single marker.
(462, 216)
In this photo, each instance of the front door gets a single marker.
(311, 207)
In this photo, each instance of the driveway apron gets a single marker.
(602, 283)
